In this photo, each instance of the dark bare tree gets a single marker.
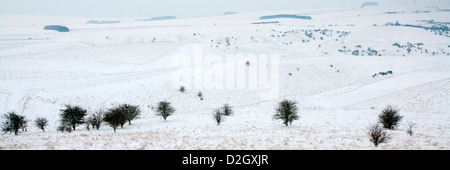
(218, 116)
(41, 123)
(377, 134)
(96, 119)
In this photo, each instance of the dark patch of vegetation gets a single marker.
(382, 73)
(73, 116)
(58, 28)
(227, 110)
(287, 112)
(164, 109)
(182, 89)
(13, 123)
(390, 117)
(41, 123)
(115, 117)
(285, 16)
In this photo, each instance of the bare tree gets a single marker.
(218, 116)
(96, 119)
(287, 112)
(41, 123)
(377, 134)
(410, 128)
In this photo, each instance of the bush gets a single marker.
(182, 89)
(287, 112)
(218, 116)
(199, 94)
(227, 110)
(131, 112)
(164, 109)
(13, 123)
(64, 127)
(96, 119)
(377, 134)
(410, 128)
(390, 117)
(73, 116)
(41, 123)
(115, 117)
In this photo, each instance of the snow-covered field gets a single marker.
(99, 65)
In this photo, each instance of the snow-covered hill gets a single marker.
(326, 64)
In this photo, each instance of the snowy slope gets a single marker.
(99, 65)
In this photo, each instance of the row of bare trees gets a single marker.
(117, 116)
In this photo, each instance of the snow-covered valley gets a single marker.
(329, 65)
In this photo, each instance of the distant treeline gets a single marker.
(58, 28)
(440, 27)
(101, 22)
(285, 16)
(229, 13)
(271, 22)
(369, 4)
(158, 18)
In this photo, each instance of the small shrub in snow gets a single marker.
(377, 134)
(218, 116)
(13, 123)
(88, 124)
(95, 120)
(41, 123)
(73, 115)
(410, 128)
(182, 89)
(64, 127)
(200, 95)
(164, 109)
(227, 110)
(287, 112)
(390, 117)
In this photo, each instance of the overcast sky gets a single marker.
(179, 8)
